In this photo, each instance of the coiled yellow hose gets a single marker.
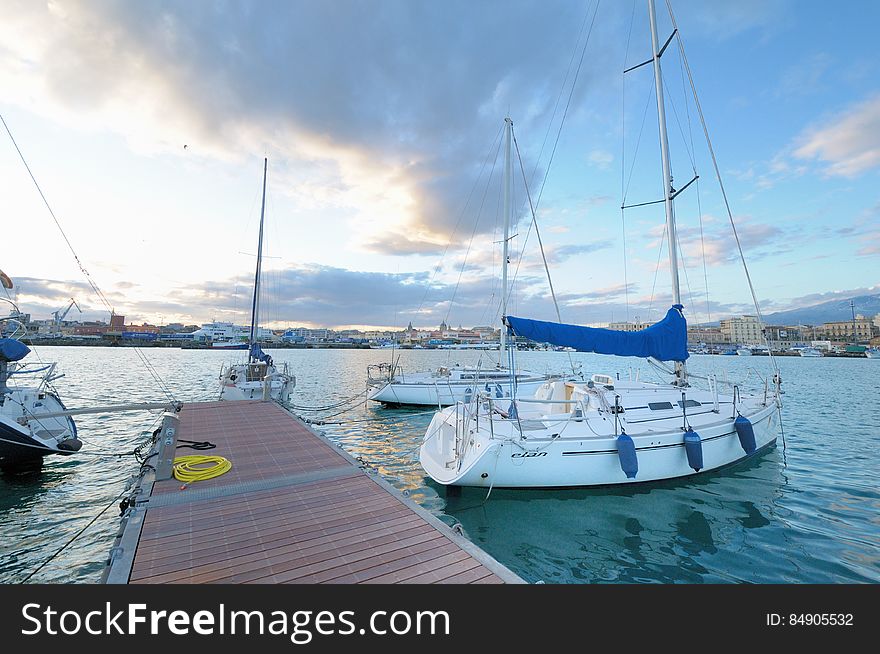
(192, 467)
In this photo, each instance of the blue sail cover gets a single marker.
(12, 350)
(257, 354)
(665, 340)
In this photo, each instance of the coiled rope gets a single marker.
(199, 467)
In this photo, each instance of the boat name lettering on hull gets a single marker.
(527, 455)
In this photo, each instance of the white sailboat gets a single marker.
(258, 378)
(447, 385)
(28, 428)
(604, 431)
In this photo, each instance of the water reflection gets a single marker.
(812, 521)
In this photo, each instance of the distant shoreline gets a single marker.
(70, 342)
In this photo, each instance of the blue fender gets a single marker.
(626, 452)
(693, 446)
(746, 434)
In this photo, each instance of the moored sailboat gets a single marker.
(605, 431)
(29, 425)
(450, 384)
(258, 378)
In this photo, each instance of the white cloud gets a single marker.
(849, 143)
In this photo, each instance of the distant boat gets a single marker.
(228, 345)
(810, 352)
(744, 351)
(873, 353)
(258, 378)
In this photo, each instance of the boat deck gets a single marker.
(294, 508)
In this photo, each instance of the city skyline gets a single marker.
(146, 125)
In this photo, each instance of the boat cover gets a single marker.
(257, 354)
(12, 350)
(665, 340)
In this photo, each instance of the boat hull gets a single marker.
(571, 462)
(446, 393)
(42, 437)
(256, 381)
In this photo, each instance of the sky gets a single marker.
(146, 125)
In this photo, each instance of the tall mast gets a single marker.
(668, 190)
(255, 307)
(508, 164)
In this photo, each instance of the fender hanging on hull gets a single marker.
(693, 447)
(626, 452)
(746, 434)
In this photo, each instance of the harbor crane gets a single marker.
(60, 315)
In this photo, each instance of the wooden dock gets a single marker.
(295, 508)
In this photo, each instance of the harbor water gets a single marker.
(807, 511)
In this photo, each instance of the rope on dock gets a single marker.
(199, 467)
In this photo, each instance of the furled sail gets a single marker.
(257, 354)
(665, 340)
(12, 350)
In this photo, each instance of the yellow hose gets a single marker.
(192, 467)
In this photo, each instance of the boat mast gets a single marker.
(668, 190)
(255, 307)
(508, 164)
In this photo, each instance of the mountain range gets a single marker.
(831, 311)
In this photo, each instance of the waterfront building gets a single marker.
(745, 330)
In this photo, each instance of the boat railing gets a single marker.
(383, 373)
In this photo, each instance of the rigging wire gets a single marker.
(720, 181)
(461, 215)
(150, 368)
(623, 160)
(473, 234)
(558, 134)
(656, 270)
(75, 536)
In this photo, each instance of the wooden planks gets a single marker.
(293, 509)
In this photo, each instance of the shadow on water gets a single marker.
(656, 532)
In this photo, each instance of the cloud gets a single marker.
(806, 76)
(724, 20)
(849, 143)
(601, 159)
(386, 110)
(560, 254)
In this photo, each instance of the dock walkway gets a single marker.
(294, 508)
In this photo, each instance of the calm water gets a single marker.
(807, 512)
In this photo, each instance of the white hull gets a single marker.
(41, 436)
(256, 381)
(872, 354)
(466, 448)
(427, 389)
